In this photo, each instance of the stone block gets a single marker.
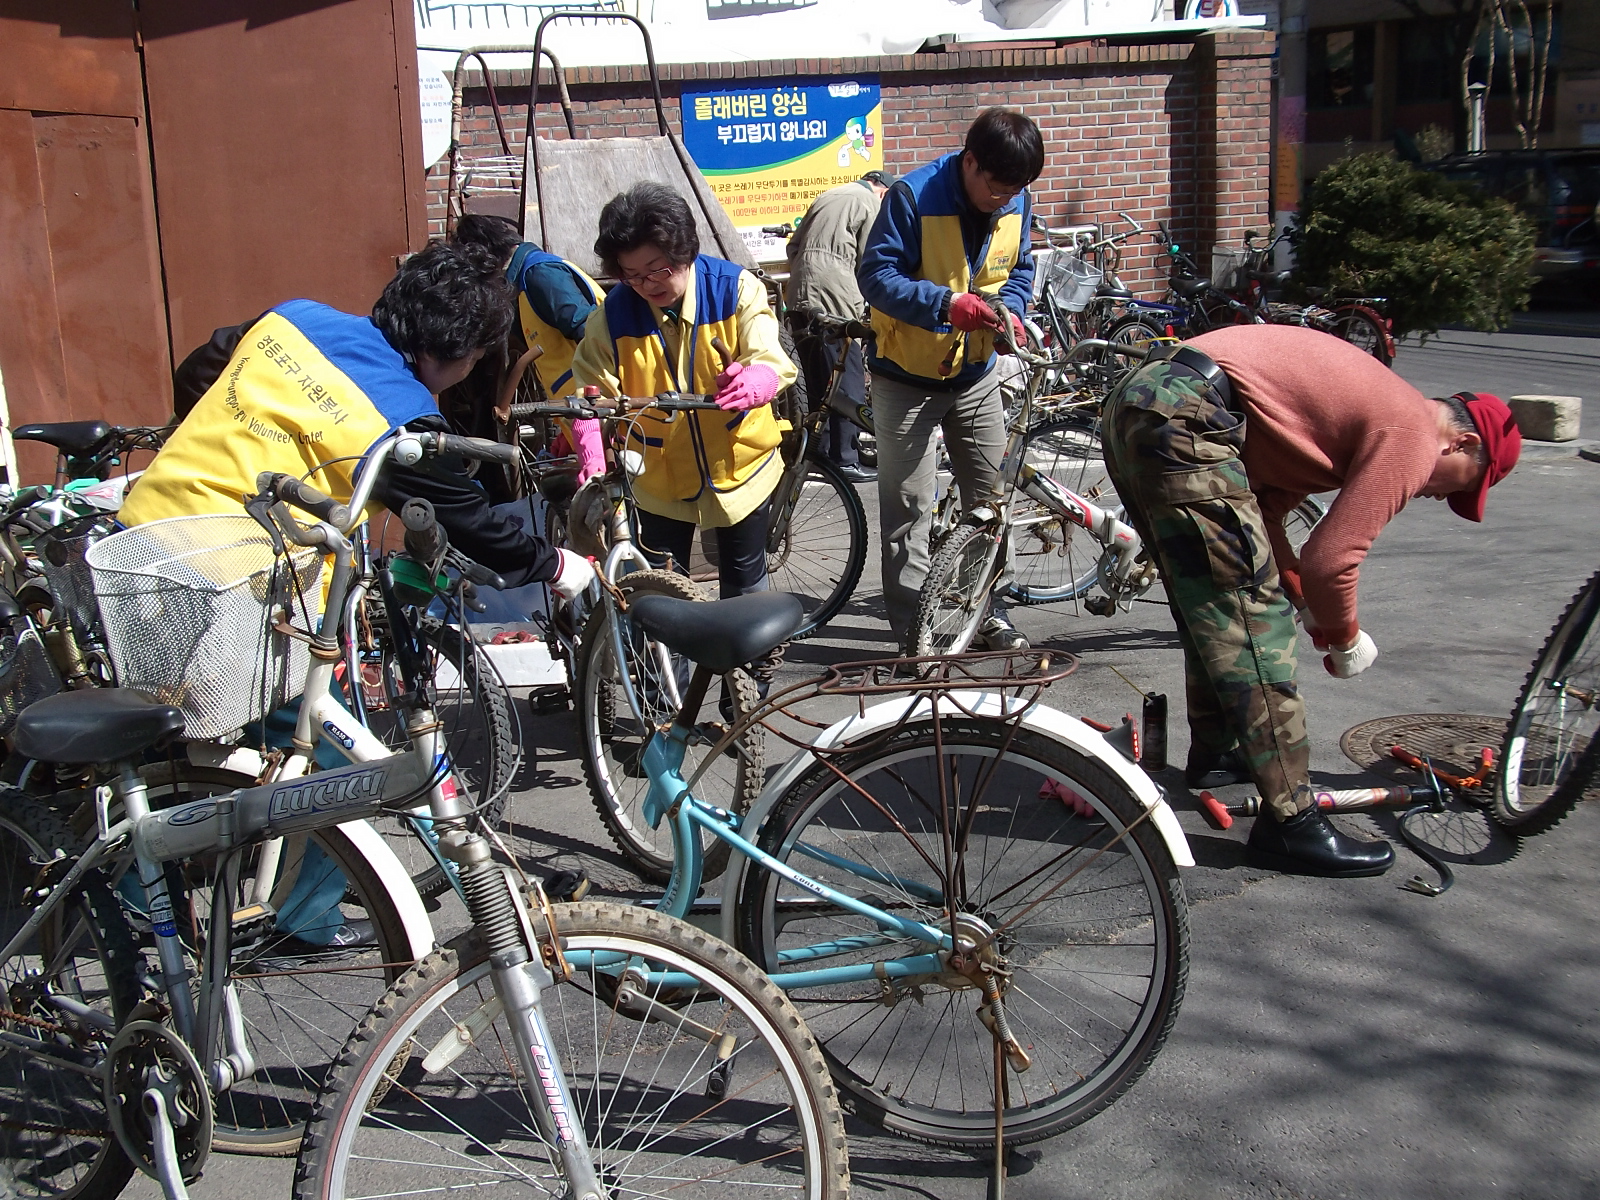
(1547, 418)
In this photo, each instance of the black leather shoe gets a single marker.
(856, 473)
(1215, 770)
(1307, 844)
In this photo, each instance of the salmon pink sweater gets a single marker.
(1321, 416)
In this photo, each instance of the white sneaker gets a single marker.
(998, 633)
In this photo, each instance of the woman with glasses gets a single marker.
(654, 334)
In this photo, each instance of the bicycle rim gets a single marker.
(298, 997)
(55, 1135)
(613, 737)
(1089, 917)
(1053, 559)
(644, 1091)
(1549, 756)
(824, 546)
(955, 595)
(1302, 519)
(1362, 330)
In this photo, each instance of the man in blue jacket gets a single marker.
(949, 236)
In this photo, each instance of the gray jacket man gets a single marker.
(823, 255)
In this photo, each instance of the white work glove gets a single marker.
(1346, 662)
(575, 576)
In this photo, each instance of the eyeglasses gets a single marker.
(659, 275)
(1004, 193)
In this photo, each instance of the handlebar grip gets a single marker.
(685, 402)
(424, 539)
(481, 449)
(304, 497)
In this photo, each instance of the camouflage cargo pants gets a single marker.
(1172, 450)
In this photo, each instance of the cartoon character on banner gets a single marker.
(857, 137)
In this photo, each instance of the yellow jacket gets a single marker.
(713, 469)
(532, 271)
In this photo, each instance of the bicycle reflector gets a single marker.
(1125, 739)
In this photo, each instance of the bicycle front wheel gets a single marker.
(62, 997)
(823, 545)
(1053, 559)
(713, 1085)
(1363, 329)
(1549, 756)
(955, 595)
(1047, 863)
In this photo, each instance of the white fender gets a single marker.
(370, 844)
(1091, 743)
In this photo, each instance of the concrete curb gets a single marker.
(1588, 448)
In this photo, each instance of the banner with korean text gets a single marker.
(769, 147)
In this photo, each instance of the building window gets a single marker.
(1339, 68)
(1429, 61)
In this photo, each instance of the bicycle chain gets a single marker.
(78, 1035)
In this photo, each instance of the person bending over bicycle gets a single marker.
(1209, 447)
(308, 390)
(654, 335)
(949, 236)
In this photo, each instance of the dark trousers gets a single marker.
(741, 548)
(818, 357)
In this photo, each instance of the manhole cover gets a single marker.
(1451, 741)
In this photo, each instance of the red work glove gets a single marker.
(970, 312)
(591, 450)
(1019, 337)
(741, 387)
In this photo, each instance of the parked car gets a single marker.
(1558, 189)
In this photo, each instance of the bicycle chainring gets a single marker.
(146, 1054)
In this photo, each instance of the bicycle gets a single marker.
(1197, 305)
(1549, 757)
(655, 977)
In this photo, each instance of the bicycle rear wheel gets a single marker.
(1549, 756)
(55, 1135)
(299, 994)
(723, 1088)
(1084, 917)
(823, 547)
(613, 736)
(955, 595)
(1052, 559)
(1364, 330)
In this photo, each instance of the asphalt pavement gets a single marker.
(1338, 1038)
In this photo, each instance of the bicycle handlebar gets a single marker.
(480, 449)
(424, 540)
(831, 326)
(289, 490)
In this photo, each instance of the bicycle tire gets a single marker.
(1068, 450)
(56, 1141)
(480, 733)
(469, 1122)
(924, 1068)
(955, 595)
(298, 1001)
(1134, 330)
(1364, 330)
(613, 740)
(813, 561)
(1550, 756)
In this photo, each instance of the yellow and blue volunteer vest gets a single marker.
(943, 352)
(308, 387)
(554, 366)
(695, 450)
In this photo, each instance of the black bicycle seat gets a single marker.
(74, 437)
(1190, 286)
(721, 635)
(1109, 292)
(96, 725)
(560, 487)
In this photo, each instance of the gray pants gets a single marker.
(904, 418)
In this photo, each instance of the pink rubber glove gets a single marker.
(591, 450)
(970, 311)
(740, 387)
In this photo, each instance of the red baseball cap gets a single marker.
(1502, 446)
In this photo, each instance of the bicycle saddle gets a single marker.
(1190, 286)
(721, 635)
(74, 437)
(94, 725)
(1269, 276)
(1112, 289)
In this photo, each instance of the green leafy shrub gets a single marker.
(1444, 253)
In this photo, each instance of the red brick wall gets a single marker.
(1177, 132)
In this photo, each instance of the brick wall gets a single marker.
(1177, 132)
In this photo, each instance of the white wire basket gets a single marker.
(1073, 281)
(187, 607)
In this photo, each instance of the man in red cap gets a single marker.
(1210, 447)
